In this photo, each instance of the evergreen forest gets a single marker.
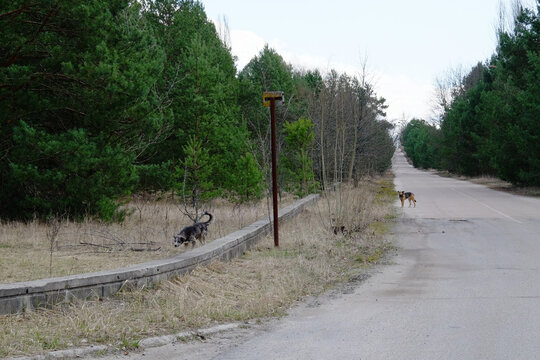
(490, 123)
(100, 100)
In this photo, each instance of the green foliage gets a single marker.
(194, 175)
(68, 173)
(465, 133)
(515, 101)
(265, 72)
(299, 165)
(248, 183)
(76, 83)
(299, 133)
(421, 143)
(135, 79)
(200, 82)
(155, 177)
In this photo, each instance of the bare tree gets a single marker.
(224, 33)
(350, 134)
(446, 88)
(455, 83)
(53, 229)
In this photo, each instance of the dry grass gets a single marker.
(147, 234)
(264, 282)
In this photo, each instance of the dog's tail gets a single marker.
(211, 217)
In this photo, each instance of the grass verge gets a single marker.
(29, 252)
(263, 283)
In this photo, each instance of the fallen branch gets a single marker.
(145, 249)
(97, 245)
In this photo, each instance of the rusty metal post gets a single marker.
(274, 170)
(270, 98)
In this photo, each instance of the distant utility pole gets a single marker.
(270, 99)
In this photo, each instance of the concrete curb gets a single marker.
(143, 344)
(17, 297)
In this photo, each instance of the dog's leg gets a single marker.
(411, 198)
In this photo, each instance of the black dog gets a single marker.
(190, 234)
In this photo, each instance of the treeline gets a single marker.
(103, 99)
(492, 124)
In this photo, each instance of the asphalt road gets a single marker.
(464, 285)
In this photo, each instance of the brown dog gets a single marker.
(406, 195)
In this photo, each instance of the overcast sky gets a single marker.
(407, 44)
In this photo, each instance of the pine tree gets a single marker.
(516, 102)
(201, 88)
(297, 158)
(75, 77)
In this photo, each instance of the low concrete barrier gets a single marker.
(17, 297)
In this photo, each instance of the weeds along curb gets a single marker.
(17, 297)
(156, 341)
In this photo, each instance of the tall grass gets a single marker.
(263, 283)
